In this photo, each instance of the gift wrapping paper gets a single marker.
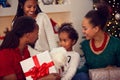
(105, 74)
(38, 66)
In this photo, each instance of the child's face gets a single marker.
(30, 8)
(65, 41)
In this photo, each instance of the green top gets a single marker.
(110, 55)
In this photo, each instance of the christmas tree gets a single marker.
(113, 24)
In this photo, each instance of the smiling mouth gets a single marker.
(31, 13)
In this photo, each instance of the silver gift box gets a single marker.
(105, 74)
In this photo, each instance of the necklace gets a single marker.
(103, 44)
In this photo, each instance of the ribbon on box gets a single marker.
(38, 70)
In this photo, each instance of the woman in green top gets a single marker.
(100, 49)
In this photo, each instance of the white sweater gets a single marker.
(71, 66)
(46, 38)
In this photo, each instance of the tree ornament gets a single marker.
(117, 16)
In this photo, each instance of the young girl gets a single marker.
(68, 37)
(14, 49)
(46, 38)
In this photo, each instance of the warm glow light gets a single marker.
(108, 25)
(113, 0)
(109, 30)
(113, 5)
(109, 1)
(115, 11)
(110, 22)
(115, 35)
(116, 23)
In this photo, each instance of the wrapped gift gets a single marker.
(114, 74)
(38, 66)
(105, 74)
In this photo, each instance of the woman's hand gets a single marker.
(52, 76)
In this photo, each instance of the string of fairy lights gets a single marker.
(113, 24)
